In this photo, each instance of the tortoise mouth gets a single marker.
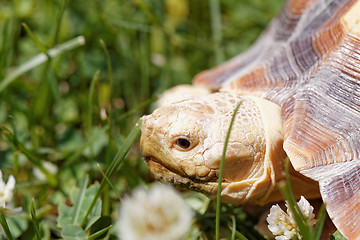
(166, 174)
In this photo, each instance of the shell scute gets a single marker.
(327, 109)
(308, 62)
(343, 205)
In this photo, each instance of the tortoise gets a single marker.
(299, 85)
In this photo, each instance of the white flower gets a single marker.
(307, 211)
(52, 168)
(283, 225)
(6, 190)
(154, 214)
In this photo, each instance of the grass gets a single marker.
(74, 80)
(221, 170)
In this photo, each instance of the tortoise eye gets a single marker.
(182, 144)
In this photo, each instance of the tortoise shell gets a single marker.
(308, 62)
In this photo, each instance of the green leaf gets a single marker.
(81, 199)
(98, 140)
(337, 236)
(17, 224)
(67, 110)
(73, 232)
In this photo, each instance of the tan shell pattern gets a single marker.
(308, 62)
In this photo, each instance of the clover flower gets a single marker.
(307, 211)
(158, 213)
(283, 225)
(6, 190)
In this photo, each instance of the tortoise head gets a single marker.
(183, 143)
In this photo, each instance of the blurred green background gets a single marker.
(51, 109)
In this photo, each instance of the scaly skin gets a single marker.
(183, 143)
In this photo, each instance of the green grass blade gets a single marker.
(106, 204)
(337, 236)
(99, 233)
(111, 83)
(16, 157)
(233, 230)
(320, 223)
(132, 25)
(31, 157)
(34, 220)
(58, 22)
(37, 42)
(240, 236)
(150, 13)
(216, 30)
(145, 66)
(41, 58)
(5, 225)
(49, 74)
(108, 181)
(221, 170)
(292, 196)
(137, 108)
(115, 164)
(15, 163)
(286, 190)
(94, 80)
